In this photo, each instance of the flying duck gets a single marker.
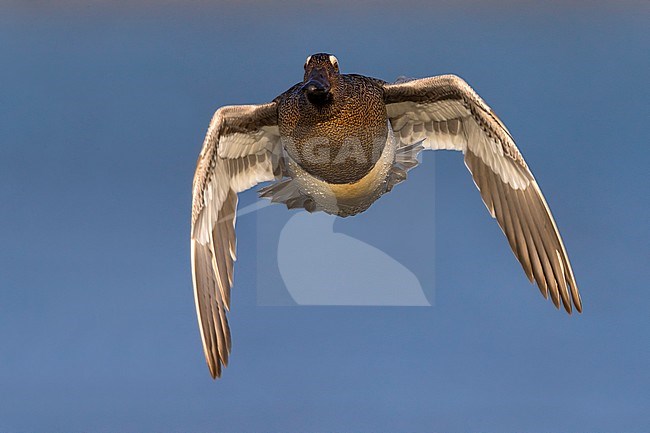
(335, 143)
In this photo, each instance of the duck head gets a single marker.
(321, 73)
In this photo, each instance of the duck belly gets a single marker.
(347, 199)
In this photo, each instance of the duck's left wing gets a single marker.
(238, 152)
(444, 112)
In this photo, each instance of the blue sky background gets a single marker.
(102, 113)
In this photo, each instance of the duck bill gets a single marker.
(316, 84)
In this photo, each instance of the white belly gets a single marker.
(350, 198)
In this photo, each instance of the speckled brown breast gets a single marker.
(341, 141)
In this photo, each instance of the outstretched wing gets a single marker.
(446, 113)
(237, 154)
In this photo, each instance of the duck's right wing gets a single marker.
(238, 152)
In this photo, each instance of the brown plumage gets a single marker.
(352, 121)
(336, 143)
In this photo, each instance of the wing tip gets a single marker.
(577, 301)
(556, 302)
(215, 370)
(215, 365)
(568, 305)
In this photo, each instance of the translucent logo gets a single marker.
(321, 267)
(381, 257)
